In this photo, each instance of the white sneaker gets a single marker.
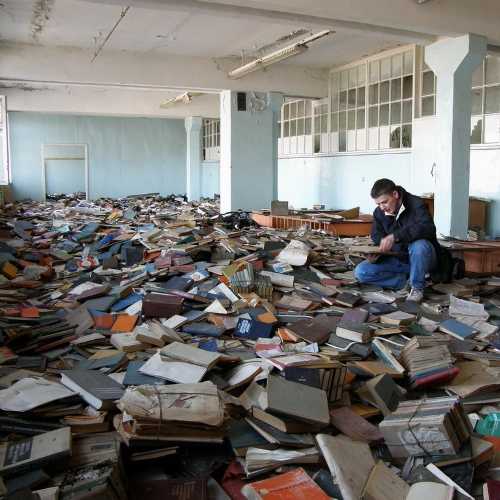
(415, 295)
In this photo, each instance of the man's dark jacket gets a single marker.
(414, 223)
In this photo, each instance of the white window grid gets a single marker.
(211, 139)
(321, 127)
(485, 112)
(428, 91)
(296, 127)
(373, 102)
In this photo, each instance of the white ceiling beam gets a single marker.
(273, 16)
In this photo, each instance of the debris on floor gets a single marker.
(152, 347)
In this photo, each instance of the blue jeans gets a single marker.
(390, 272)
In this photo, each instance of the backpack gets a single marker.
(448, 267)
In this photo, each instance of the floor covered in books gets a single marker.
(150, 348)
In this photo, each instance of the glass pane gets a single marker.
(373, 94)
(385, 68)
(317, 125)
(309, 106)
(491, 129)
(397, 65)
(476, 129)
(286, 111)
(395, 139)
(477, 76)
(428, 83)
(408, 62)
(384, 92)
(351, 117)
(492, 70)
(373, 116)
(362, 74)
(384, 114)
(428, 106)
(293, 128)
(335, 102)
(396, 112)
(407, 111)
(396, 89)
(335, 122)
(300, 109)
(374, 71)
(477, 101)
(307, 130)
(343, 100)
(353, 78)
(343, 80)
(360, 119)
(361, 97)
(342, 141)
(324, 124)
(352, 98)
(286, 127)
(406, 136)
(407, 87)
(293, 110)
(492, 103)
(300, 126)
(342, 121)
(317, 143)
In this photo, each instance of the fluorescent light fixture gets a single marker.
(276, 56)
(185, 98)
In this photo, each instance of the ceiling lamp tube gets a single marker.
(274, 57)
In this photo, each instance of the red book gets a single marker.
(293, 485)
(436, 378)
(491, 490)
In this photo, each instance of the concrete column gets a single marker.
(193, 157)
(453, 62)
(249, 159)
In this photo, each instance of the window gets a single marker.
(428, 86)
(348, 109)
(211, 140)
(320, 127)
(485, 106)
(4, 144)
(296, 127)
(485, 112)
(372, 104)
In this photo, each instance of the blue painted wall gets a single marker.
(126, 155)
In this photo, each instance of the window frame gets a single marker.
(211, 139)
(299, 112)
(388, 54)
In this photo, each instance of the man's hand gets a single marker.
(372, 257)
(387, 243)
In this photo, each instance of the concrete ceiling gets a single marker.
(184, 30)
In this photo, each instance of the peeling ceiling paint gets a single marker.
(40, 17)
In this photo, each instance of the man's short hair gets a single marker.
(381, 187)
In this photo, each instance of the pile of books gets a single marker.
(428, 361)
(428, 426)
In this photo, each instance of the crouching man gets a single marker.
(402, 225)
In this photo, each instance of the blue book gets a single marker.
(456, 329)
(134, 377)
(122, 304)
(252, 330)
(203, 329)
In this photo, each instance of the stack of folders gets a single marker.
(429, 426)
